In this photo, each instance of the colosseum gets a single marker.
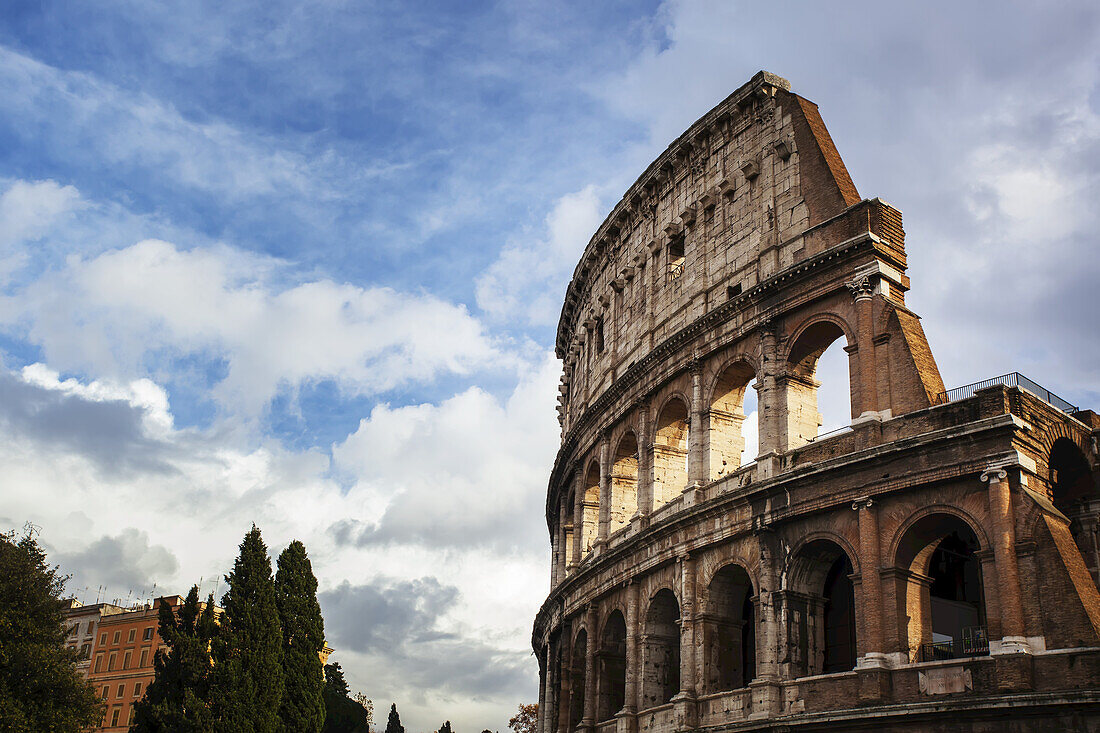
(932, 565)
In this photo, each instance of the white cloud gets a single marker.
(527, 281)
(109, 314)
(134, 129)
(28, 211)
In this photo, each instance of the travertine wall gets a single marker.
(738, 257)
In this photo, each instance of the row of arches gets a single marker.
(816, 618)
(644, 477)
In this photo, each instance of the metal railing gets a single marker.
(831, 433)
(1014, 379)
(973, 642)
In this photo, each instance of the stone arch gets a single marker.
(661, 649)
(590, 507)
(670, 450)
(942, 606)
(611, 663)
(819, 603)
(971, 521)
(624, 480)
(726, 411)
(729, 630)
(800, 417)
(577, 661)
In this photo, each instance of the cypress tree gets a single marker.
(303, 706)
(248, 648)
(393, 725)
(178, 698)
(342, 714)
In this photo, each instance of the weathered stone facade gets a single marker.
(934, 567)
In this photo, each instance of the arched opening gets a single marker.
(1074, 493)
(729, 636)
(820, 610)
(624, 482)
(839, 618)
(612, 663)
(590, 509)
(576, 679)
(817, 385)
(661, 650)
(727, 419)
(670, 453)
(944, 597)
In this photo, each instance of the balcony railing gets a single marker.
(973, 642)
(1015, 379)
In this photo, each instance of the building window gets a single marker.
(103, 639)
(91, 628)
(115, 714)
(148, 634)
(133, 632)
(137, 689)
(675, 259)
(74, 629)
(126, 660)
(131, 718)
(599, 336)
(121, 689)
(111, 662)
(85, 651)
(99, 663)
(115, 638)
(144, 657)
(106, 691)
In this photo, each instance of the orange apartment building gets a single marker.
(122, 660)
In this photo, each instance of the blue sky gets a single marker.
(300, 264)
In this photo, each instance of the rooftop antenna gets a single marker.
(83, 594)
(99, 593)
(30, 529)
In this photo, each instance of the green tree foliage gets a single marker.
(303, 705)
(393, 725)
(342, 714)
(248, 648)
(178, 698)
(40, 689)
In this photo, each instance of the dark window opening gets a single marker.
(599, 336)
(840, 628)
(732, 291)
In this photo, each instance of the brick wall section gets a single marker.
(828, 188)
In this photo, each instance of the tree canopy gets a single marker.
(303, 704)
(40, 689)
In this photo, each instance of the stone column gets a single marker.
(565, 690)
(591, 621)
(1003, 533)
(765, 687)
(578, 513)
(696, 431)
(862, 290)
(605, 492)
(645, 460)
(626, 718)
(872, 664)
(684, 700)
(555, 552)
(565, 532)
(544, 689)
(770, 403)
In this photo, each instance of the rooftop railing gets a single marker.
(1014, 379)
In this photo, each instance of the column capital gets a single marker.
(864, 502)
(861, 287)
(994, 474)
